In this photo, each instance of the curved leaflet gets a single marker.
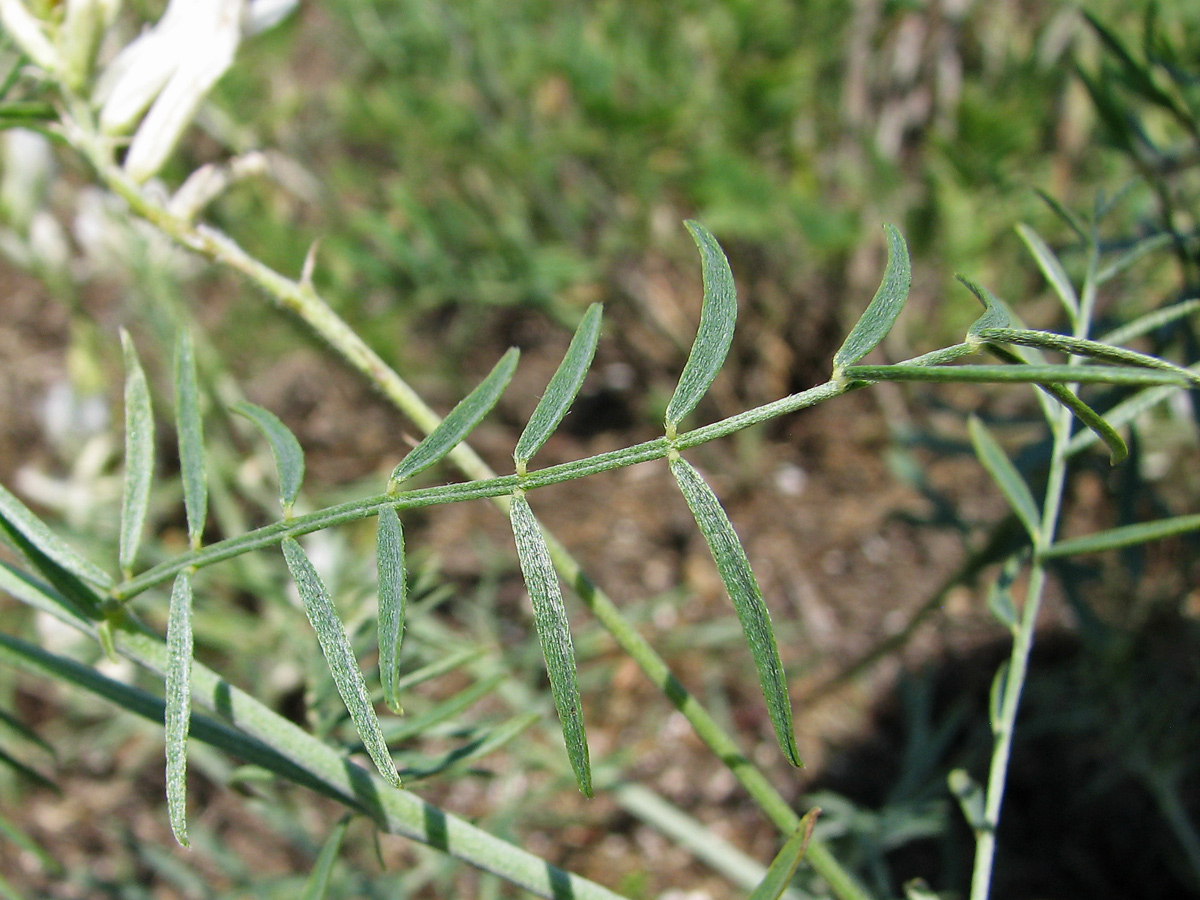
(554, 633)
(340, 657)
(747, 599)
(718, 315)
(884, 307)
(458, 422)
(191, 438)
(139, 455)
(179, 701)
(289, 456)
(562, 389)
(393, 598)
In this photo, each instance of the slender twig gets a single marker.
(1018, 662)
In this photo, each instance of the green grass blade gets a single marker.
(718, 316)
(884, 307)
(1024, 374)
(289, 456)
(190, 427)
(340, 657)
(23, 842)
(475, 749)
(1049, 340)
(1132, 255)
(1052, 269)
(28, 772)
(139, 455)
(1006, 476)
(14, 724)
(400, 730)
(747, 599)
(995, 313)
(318, 880)
(393, 599)
(179, 702)
(783, 866)
(554, 633)
(1150, 321)
(38, 534)
(1127, 536)
(1072, 221)
(562, 389)
(440, 667)
(459, 421)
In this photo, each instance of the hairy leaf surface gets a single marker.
(340, 657)
(554, 632)
(718, 316)
(747, 599)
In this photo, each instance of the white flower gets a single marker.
(171, 68)
(173, 65)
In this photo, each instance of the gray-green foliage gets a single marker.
(67, 574)
(178, 697)
(459, 422)
(554, 632)
(139, 455)
(190, 429)
(393, 602)
(562, 389)
(340, 656)
(289, 457)
(718, 314)
(747, 599)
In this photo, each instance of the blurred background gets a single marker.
(475, 174)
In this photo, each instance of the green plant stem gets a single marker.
(300, 298)
(493, 487)
(1018, 663)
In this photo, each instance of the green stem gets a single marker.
(1018, 663)
(491, 487)
(300, 298)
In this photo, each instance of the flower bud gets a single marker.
(27, 33)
